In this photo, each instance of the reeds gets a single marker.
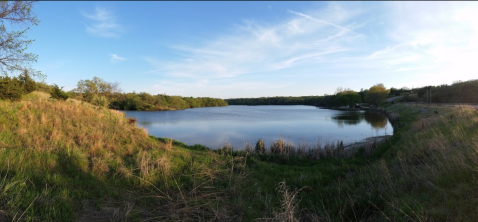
(285, 148)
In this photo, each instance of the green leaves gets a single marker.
(13, 43)
(58, 93)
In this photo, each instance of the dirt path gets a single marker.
(393, 98)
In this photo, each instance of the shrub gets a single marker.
(29, 85)
(100, 101)
(260, 146)
(58, 93)
(11, 88)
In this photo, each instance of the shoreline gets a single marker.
(367, 141)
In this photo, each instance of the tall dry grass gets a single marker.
(428, 175)
(81, 149)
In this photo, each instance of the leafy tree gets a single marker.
(13, 43)
(133, 102)
(96, 86)
(376, 94)
(58, 93)
(348, 98)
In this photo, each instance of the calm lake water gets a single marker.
(214, 126)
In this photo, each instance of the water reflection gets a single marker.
(348, 118)
(376, 120)
(214, 126)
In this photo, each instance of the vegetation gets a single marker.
(343, 98)
(13, 44)
(100, 92)
(58, 93)
(458, 92)
(70, 161)
(66, 159)
(14, 88)
(376, 94)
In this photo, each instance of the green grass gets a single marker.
(71, 161)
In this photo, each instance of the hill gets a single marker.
(72, 161)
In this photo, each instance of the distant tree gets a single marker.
(29, 85)
(13, 43)
(133, 102)
(58, 93)
(394, 92)
(96, 86)
(348, 98)
(376, 94)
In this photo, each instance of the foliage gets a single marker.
(348, 98)
(11, 88)
(90, 164)
(86, 90)
(58, 93)
(458, 92)
(100, 101)
(376, 94)
(43, 87)
(14, 88)
(398, 92)
(96, 87)
(29, 84)
(14, 43)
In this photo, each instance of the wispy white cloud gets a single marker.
(103, 23)
(318, 20)
(218, 89)
(257, 48)
(365, 43)
(115, 58)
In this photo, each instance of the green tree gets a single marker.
(58, 93)
(11, 88)
(29, 85)
(96, 87)
(13, 43)
(376, 94)
(100, 101)
(349, 98)
(133, 102)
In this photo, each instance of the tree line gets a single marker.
(102, 93)
(458, 92)
(342, 97)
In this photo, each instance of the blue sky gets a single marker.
(255, 49)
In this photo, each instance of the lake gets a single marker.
(214, 126)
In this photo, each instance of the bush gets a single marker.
(58, 93)
(11, 88)
(100, 101)
(29, 85)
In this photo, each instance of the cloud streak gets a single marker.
(362, 43)
(260, 48)
(115, 58)
(318, 20)
(103, 23)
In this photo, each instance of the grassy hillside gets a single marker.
(71, 161)
(65, 161)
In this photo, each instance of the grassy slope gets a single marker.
(66, 161)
